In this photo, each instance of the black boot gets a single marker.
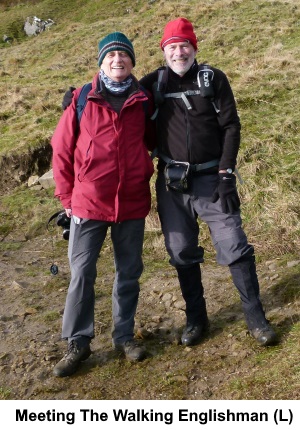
(245, 279)
(196, 314)
(72, 359)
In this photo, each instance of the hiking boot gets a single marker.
(72, 359)
(193, 334)
(265, 336)
(132, 349)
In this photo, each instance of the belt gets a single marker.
(192, 167)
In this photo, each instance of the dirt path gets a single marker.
(31, 306)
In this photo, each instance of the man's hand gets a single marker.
(67, 99)
(226, 191)
(68, 212)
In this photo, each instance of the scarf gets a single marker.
(113, 86)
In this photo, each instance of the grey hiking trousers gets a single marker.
(85, 243)
(179, 215)
(179, 219)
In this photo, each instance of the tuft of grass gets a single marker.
(5, 393)
(288, 288)
(51, 316)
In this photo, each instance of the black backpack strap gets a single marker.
(206, 90)
(82, 100)
(205, 79)
(159, 89)
(145, 102)
(183, 95)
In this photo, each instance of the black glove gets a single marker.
(226, 191)
(67, 99)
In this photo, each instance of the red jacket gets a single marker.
(103, 171)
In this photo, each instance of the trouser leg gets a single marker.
(192, 292)
(85, 243)
(244, 277)
(178, 216)
(233, 249)
(127, 239)
(181, 230)
(179, 225)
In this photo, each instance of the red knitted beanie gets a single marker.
(178, 30)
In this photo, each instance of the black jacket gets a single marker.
(200, 134)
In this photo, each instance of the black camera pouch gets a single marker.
(64, 222)
(177, 175)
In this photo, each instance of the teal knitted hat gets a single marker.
(115, 42)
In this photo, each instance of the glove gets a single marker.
(226, 191)
(67, 99)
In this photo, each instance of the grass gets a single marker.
(257, 44)
(4, 393)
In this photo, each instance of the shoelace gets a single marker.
(72, 347)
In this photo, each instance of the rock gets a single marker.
(34, 25)
(167, 297)
(30, 311)
(47, 180)
(156, 318)
(33, 180)
(180, 304)
(143, 333)
(18, 285)
(293, 263)
(7, 39)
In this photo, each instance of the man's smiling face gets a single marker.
(117, 65)
(179, 56)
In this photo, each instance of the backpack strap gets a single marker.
(183, 95)
(145, 102)
(159, 89)
(82, 100)
(205, 78)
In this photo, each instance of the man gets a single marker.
(204, 134)
(198, 142)
(102, 170)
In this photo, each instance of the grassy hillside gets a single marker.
(255, 42)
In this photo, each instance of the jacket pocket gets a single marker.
(90, 165)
